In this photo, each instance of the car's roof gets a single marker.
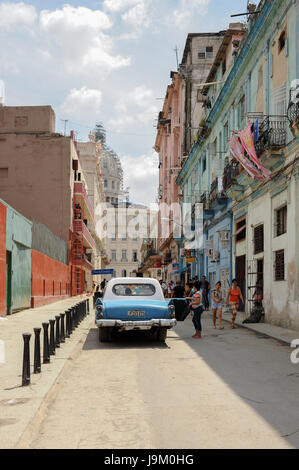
(109, 295)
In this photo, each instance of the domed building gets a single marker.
(112, 174)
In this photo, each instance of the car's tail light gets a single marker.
(171, 311)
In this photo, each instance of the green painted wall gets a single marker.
(18, 242)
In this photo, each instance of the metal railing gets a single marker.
(272, 133)
(293, 111)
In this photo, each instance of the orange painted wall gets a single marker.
(49, 277)
(2, 260)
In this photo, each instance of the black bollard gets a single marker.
(71, 320)
(57, 338)
(87, 303)
(52, 337)
(62, 334)
(26, 360)
(37, 364)
(67, 323)
(46, 351)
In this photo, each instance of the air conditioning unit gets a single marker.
(215, 256)
(224, 236)
(182, 253)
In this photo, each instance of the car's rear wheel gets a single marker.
(105, 334)
(162, 334)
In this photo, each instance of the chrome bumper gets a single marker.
(142, 325)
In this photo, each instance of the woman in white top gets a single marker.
(217, 305)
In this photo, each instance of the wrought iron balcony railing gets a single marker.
(231, 171)
(272, 133)
(293, 111)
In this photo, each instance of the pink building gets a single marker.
(169, 144)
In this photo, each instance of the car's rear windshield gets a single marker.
(134, 289)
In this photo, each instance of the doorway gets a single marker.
(241, 278)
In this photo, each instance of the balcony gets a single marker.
(87, 264)
(79, 190)
(80, 227)
(217, 198)
(272, 134)
(230, 174)
(293, 117)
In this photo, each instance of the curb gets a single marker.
(264, 333)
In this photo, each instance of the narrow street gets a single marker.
(232, 389)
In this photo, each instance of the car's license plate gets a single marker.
(136, 313)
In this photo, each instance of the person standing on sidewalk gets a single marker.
(217, 305)
(196, 308)
(205, 288)
(233, 298)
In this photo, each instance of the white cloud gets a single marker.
(186, 11)
(83, 46)
(83, 103)
(13, 14)
(136, 106)
(119, 5)
(141, 175)
(72, 18)
(138, 15)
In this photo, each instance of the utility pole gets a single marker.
(176, 54)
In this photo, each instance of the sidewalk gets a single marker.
(19, 405)
(276, 332)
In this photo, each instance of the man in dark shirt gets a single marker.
(205, 288)
(178, 291)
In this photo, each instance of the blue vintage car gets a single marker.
(133, 304)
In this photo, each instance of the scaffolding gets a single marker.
(77, 248)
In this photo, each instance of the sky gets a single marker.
(104, 61)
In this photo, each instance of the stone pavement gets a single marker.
(276, 332)
(20, 405)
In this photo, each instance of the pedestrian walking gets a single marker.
(205, 288)
(169, 290)
(217, 303)
(188, 290)
(178, 291)
(233, 298)
(196, 309)
(164, 287)
(103, 284)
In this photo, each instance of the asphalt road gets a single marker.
(231, 389)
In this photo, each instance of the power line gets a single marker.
(107, 130)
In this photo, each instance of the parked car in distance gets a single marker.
(134, 304)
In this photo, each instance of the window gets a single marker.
(241, 230)
(123, 274)
(124, 255)
(3, 172)
(124, 237)
(133, 289)
(204, 164)
(209, 52)
(225, 136)
(280, 221)
(258, 239)
(241, 111)
(105, 184)
(279, 265)
(113, 184)
(134, 258)
(107, 199)
(113, 255)
(205, 52)
(281, 41)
